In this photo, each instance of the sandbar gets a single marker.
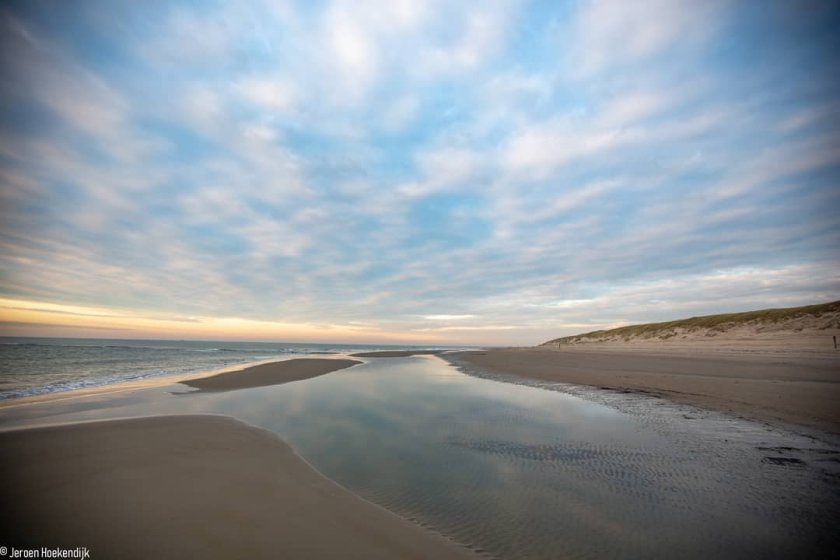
(774, 388)
(273, 373)
(395, 353)
(188, 486)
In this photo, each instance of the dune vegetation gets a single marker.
(811, 317)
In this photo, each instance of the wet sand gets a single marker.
(395, 353)
(776, 388)
(273, 373)
(188, 487)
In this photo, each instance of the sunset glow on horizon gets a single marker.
(36, 319)
(494, 173)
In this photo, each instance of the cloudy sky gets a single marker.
(468, 172)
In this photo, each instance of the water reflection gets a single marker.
(518, 471)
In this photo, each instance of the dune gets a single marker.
(775, 365)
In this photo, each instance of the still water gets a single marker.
(522, 472)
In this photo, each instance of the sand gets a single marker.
(395, 353)
(803, 335)
(778, 388)
(195, 486)
(269, 374)
(293, 370)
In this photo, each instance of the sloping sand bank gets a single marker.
(188, 487)
(395, 353)
(778, 389)
(274, 373)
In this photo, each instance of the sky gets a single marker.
(487, 173)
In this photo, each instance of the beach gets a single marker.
(420, 280)
(781, 388)
(181, 486)
(188, 487)
(210, 465)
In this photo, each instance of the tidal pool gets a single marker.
(522, 472)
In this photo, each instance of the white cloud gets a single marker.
(483, 33)
(774, 164)
(476, 328)
(540, 149)
(449, 39)
(204, 109)
(407, 14)
(612, 32)
(628, 108)
(448, 317)
(571, 303)
(805, 117)
(86, 103)
(400, 114)
(273, 94)
(570, 199)
(194, 36)
(354, 51)
(273, 238)
(442, 169)
(260, 133)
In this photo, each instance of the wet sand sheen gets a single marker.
(396, 353)
(787, 389)
(197, 486)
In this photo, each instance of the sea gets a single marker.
(36, 366)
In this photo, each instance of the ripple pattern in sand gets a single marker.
(521, 472)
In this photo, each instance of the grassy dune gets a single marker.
(810, 317)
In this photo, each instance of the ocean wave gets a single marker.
(125, 376)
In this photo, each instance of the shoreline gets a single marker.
(197, 476)
(151, 382)
(785, 390)
(100, 465)
(187, 477)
